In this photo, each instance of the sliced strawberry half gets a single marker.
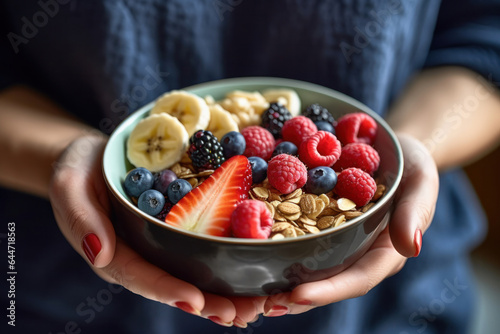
(207, 209)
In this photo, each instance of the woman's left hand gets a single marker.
(414, 208)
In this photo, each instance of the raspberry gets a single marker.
(251, 219)
(298, 129)
(318, 113)
(359, 155)
(320, 149)
(286, 173)
(205, 150)
(260, 142)
(356, 185)
(356, 128)
(274, 118)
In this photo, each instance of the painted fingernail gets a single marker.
(277, 311)
(218, 321)
(91, 246)
(186, 307)
(304, 302)
(239, 323)
(418, 242)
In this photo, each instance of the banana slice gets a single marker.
(157, 142)
(221, 121)
(287, 97)
(246, 108)
(191, 110)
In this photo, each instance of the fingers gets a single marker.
(247, 309)
(79, 199)
(416, 200)
(381, 261)
(219, 310)
(141, 277)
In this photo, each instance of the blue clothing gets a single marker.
(103, 59)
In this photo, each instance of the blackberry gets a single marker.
(164, 212)
(274, 118)
(205, 150)
(318, 113)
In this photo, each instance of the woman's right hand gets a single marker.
(81, 206)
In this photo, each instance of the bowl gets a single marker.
(250, 267)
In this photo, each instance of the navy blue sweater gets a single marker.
(103, 59)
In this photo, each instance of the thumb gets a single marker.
(80, 203)
(416, 199)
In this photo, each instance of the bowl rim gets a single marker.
(279, 83)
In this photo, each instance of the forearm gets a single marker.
(33, 134)
(453, 111)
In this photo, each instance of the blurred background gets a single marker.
(485, 177)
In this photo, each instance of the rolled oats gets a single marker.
(379, 192)
(287, 208)
(345, 204)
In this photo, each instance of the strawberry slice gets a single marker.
(207, 209)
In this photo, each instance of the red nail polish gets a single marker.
(304, 302)
(418, 242)
(91, 246)
(218, 321)
(277, 311)
(186, 307)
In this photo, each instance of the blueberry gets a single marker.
(285, 147)
(163, 179)
(151, 202)
(178, 189)
(320, 180)
(325, 126)
(259, 169)
(233, 143)
(138, 181)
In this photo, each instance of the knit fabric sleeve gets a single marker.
(468, 34)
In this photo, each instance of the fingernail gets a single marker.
(304, 302)
(277, 311)
(239, 323)
(218, 321)
(418, 242)
(91, 246)
(186, 307)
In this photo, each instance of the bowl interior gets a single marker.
(116, 165)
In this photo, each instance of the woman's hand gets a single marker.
(414, 209)
(81, 206)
